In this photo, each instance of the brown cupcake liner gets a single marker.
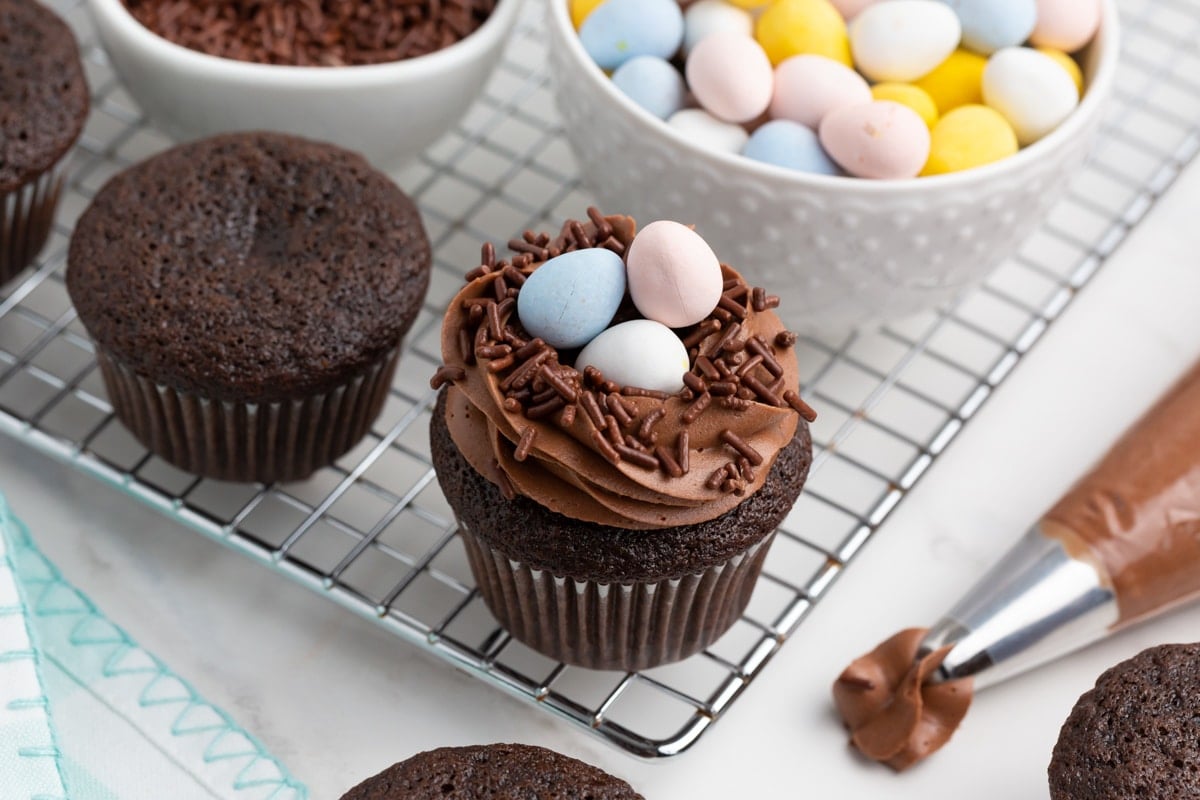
(26, 217)
(240, 441)
(614, 626)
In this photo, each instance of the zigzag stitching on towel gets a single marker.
(24, 703)
(55, 597)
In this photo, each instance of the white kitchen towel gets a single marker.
(87, 714)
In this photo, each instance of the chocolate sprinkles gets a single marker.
(730, 369)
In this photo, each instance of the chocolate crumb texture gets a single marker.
(313, 33)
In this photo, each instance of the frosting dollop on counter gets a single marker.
(585, 447)
(895, 715)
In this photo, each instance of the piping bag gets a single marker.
(1122, 545)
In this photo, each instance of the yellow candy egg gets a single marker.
(969, 136)
(1067, 63)
(580, 10)
(748, 3)
(793, 27)
(957, 81)
(908, 95)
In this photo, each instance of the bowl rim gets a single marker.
(475, 45)
(1107, 39)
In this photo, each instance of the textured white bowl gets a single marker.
(841, 252)
(388, 112)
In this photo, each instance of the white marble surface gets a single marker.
(338, 699)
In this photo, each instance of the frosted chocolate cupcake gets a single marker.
(617, 501)
(43, 107)
(1136, 734)
(247, 295)
(492, 772)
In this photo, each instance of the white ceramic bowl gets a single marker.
(841, 252)
(388, 112)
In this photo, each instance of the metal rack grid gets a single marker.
(373, 532)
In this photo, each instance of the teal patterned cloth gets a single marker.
(86, 714)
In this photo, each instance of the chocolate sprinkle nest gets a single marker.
(730, 370)
(313, 33)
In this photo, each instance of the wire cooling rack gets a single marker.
(373, 532)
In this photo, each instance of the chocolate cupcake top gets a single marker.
(249, 267)
(535, 421)
(494, 772)
(43, 94)
(1136, 734)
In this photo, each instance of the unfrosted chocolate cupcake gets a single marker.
(1136, 734)
(43, 107)
(248, 295)
(492, 772)
(611, 525)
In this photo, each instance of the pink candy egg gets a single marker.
(673, 275)
(881, 139)
(807, 87)
(1065, 25)
(730, 76)
(850, 8)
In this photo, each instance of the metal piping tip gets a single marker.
(1036, 604)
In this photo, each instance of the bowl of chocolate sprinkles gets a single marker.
(383, 77)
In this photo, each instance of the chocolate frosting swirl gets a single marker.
(893, 714)
(681, 459)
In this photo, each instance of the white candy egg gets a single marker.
(1032, 92)
(711, 16)
(641, 353)
(699, 126)
(901, 40)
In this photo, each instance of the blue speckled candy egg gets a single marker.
(990, 25)
(641, 353)
(790, 145)
(653, 84)
(571, 298)
(619, 30)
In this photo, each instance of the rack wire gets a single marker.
(373, 532)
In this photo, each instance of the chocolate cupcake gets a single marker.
(615, 517)
(1136, 734)
(248, 295)
(494, 772)
(43, 107)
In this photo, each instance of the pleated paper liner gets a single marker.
(614, 626)
(26, 216)
(241, 441)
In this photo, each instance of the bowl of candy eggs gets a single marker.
(383, 79)
(866, 158)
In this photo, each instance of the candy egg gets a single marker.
(850, 9)
(618, 30)
(969, 136)
(1032, 92)
(1066, 25)
(674, 276)
(908, 95)
(641, 353)
(880, 139)
(793, 27)
(957, 81)
(580, 10)
(653, 84)
(710, 16)
(571, 298)
(730, 76)
(750, 3)
(1067, 63)
(790, 145)
(989, 25)
(902, 40)
(703, 129)
(808, 87)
